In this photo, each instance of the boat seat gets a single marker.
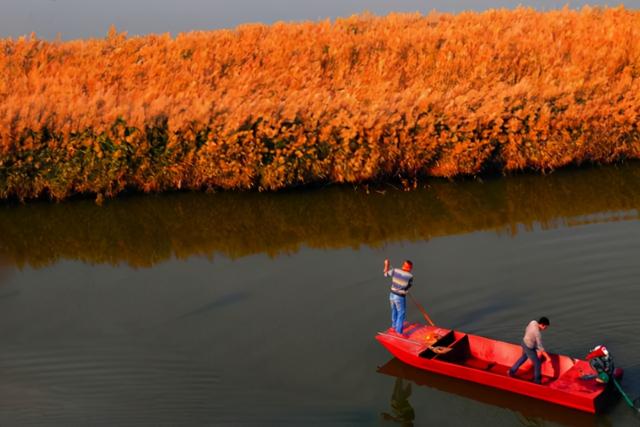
(459, 351)
(444, 341)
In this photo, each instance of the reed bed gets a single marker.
(361, 99)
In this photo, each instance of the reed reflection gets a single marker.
(144, 230)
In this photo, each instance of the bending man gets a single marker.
(531, 344)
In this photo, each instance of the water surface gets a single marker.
(238, 309)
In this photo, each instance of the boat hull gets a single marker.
(486, 361)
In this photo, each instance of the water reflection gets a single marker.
(528, 411)
(401, 410)
(144, 230)
(6, 268)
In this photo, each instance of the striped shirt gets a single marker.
(533, 337)
(401, 281)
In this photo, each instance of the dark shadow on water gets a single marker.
(142, 230)
(529, 412)
(9, 295)
(224, 301)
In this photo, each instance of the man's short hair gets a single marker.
(544, 321)
(408, 262)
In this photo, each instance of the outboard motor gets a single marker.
(601, 362)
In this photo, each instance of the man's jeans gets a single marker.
(531, 354)
(398, 310)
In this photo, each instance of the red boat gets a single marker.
(486, 361)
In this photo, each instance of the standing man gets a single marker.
(401, 281)
(531, 344)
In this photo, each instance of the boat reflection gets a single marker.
(530, 412)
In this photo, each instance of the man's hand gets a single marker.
(386, 266)
(544, 356)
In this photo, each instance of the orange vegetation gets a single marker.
(361, 99)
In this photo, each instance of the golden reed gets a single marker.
(359, 100)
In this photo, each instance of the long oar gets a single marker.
(624, 395)
(424, 313)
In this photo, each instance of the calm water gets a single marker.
(239, 309)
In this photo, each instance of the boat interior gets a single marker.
(493, 356)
